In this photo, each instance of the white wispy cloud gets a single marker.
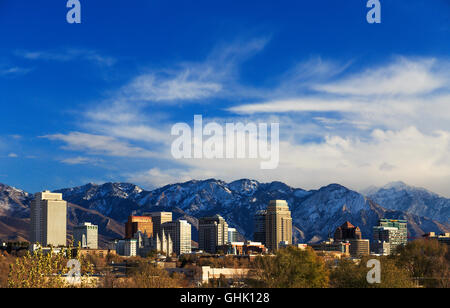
(98, 144)
(67, 54)
(194, 81)
(157, 177)
(392, 124)
(81, 160)
(422, 159)
(402, 77)
(295, 105)
(383, 123)
(14, 71)
(185, 85)
(121, 120)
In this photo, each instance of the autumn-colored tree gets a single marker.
(291, 268)
(38, 270)
(428, 261)
(148, 275)
(46, 270)
(5, 262)
(348, 274)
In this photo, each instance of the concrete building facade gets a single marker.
(212, 232)
(86, 234)
(158, 219)
(278, 224)
(48, 215)
(180, 233)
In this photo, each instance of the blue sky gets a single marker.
(359, 104)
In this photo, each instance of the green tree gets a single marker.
(291, 268)
(348, 274)
(428, 261)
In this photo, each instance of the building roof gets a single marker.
(347, 225)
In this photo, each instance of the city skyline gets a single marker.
(167, 236)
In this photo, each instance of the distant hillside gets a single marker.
(415, 200)
(315, 213)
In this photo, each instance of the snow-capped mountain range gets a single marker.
(419, 201)
(315, 213)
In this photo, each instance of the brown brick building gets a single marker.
(347, 232)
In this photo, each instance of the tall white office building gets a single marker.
(180, 233)
(86, 234)
(48, 215)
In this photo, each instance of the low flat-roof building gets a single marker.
(359, 248)
(442, 238)
(331, 245)
(242, 248)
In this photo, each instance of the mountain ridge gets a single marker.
(315, 213)
(411, 199)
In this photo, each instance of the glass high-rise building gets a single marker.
(138, 223)
(232, 235)
(392, 231)
(212, 232)
(259, 227)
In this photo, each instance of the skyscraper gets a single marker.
(158, 219)
(48, 215)
(278, 224)
(212, 232)
(392, 231)
(259, 225)
(87, 235)
(232, 235)
(180, 234)
(138, 223)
